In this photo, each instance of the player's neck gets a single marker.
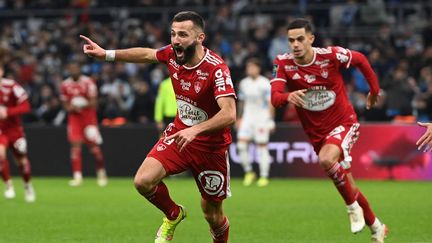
(307, 58)
(254, 77)
(199, 55)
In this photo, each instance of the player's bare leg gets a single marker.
(379, 230)
(76, 161)
(328, 159)
(101, 175)
(25, 170)
(148, 182)
(9, 192)
(250, 176)
(219, 224)
(264, 164)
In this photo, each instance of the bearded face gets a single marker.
(184, 54)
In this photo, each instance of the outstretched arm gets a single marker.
(361, 62)
(20, 109)
(136, 55)
(425, 141)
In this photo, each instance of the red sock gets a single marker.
(220, 234)
(338, 175)
(367, 211)
(97, 153)
(161, 199)
(25, 171)
(76, 159)
(5, 170)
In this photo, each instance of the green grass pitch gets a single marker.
(290, 210)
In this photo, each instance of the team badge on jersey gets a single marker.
(324, 73)
(197, 87)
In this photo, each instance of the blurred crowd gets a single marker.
(41, 36)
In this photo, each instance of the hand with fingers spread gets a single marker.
(371, 100)
(183, 137)
(92, 49)
(296, 97)
(425, 141)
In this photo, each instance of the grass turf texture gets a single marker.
(285, 211)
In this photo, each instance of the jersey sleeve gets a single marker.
(341, 56)
(63, 95)
(223, 85)
(278, 73)
(19, 93)
(91, 89)
(162, 54)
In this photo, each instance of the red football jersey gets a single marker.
(327, 103)
(197, 89)
(11, 95)
(84, 89)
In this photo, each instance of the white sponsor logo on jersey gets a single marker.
(290, 68)
(310, 78)
(322, 63)
(174, 64)
(327, 50)
(342, 58)
(212, 182)
(201, 73)
(220, 81)
(185, 85)
(175, 76)
(189, 114)
(319, 100)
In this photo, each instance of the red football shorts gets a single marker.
(210, 170)
(79, 130)
(14, 138)
(343, 136)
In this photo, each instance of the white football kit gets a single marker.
(256, 119)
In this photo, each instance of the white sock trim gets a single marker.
(353, 206)
(376, 225)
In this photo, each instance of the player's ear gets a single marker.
(201, 37)
(312, 38)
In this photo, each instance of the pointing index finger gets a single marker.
(86, 39)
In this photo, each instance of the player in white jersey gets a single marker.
(255, 122)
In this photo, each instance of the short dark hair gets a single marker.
(255, 61)
(299, 24)
(189, 15)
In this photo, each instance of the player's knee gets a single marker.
(213, 217)
(143, 183)
(325, 162)
(2, 156)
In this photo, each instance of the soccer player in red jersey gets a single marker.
(314, 81)
(198, 138)
(79, 97)
(13, 103)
